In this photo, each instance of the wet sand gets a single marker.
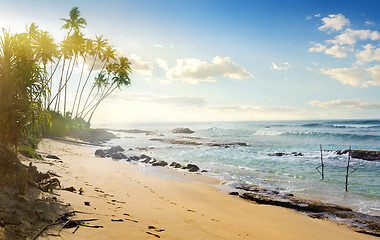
(131, 204)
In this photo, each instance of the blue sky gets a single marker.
(230, 60)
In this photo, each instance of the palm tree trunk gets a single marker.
(67, 80)
(104, 97)
(84, 85)
(60, 84)
(51, 80)
(80, 81)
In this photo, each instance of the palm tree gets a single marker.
(120, 71)
(109, 54)
(75, 22)
(46, 51)
(70, 49)
(84, 53)
(97, 53)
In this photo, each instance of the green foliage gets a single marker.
(28, 151)
(22, 87)
(63, 126)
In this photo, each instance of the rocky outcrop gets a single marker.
(160, 164)
(192, 168)
(280, 154)
(183, 130)
(113, 152)
(362, 154)
(227, 145)
(175, 165)
(316, 209)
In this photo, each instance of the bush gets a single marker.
(28, 151)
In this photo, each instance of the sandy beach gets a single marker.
(131, 204)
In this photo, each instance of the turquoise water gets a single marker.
(257, 163)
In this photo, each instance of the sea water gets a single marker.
(257, 162)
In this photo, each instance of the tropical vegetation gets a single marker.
(35, 72)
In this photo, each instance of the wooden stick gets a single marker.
(348, 166)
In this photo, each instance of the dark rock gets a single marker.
(70, 189)
(234, 193)
(160, 164)
(362, 154)
(192, 168)
(116, 149)
(279, 154)
(175, 165)
(227, 145)
(100, 153)
(297, 154)
(151, 161)
(113, 152)
(53, 157)
(146, 157)
(134, 158)
(94, 136)
(116, 156)
(182, 130)
(204, 171)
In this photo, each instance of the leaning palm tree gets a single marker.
(97, 53)
(120, 71)
(108, 56)
(75, 22)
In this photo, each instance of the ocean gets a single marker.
(276, 155)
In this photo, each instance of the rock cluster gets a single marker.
(183, 130)
(314, 208)
(227, 145)
(113, 152)
(362, 154)
(116, 153)
(280, 154)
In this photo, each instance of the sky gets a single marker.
(228, 60)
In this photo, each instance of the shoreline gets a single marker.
(132, 204)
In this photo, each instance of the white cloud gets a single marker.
(341, 103)
(251, 108)
(317, 15)
(336, 50)
(374, 73)
(158, 45)
(284, 66)
(309, 17)
(355, 76)
(162, 64)
(350, 37)
(368, 22)
(182, 101)
(193, 71)
(334, 22)
(350, 76)
(317, 48)
(369, 54)
(140, 65)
